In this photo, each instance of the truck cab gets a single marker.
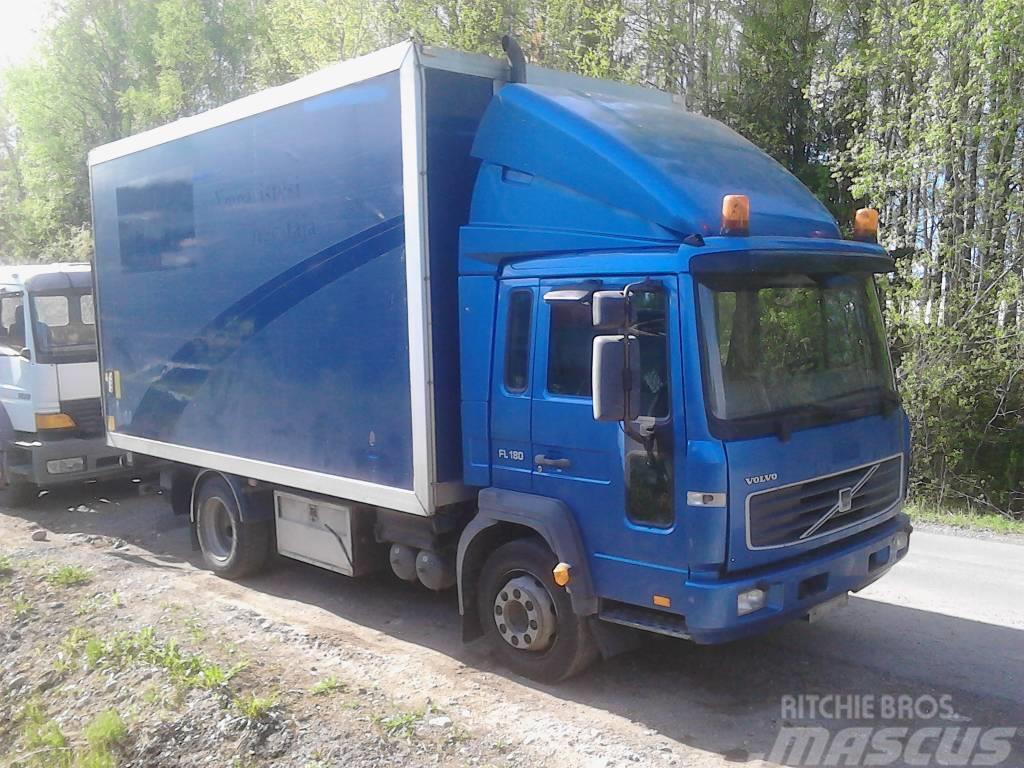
(51, 423)
(686, 356)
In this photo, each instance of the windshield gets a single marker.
(65, 327)
(792, 343)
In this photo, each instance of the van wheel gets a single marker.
(232, 548)
(19, 493)
(528, 619)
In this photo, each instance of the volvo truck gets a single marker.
(51, 423)
(599, 364)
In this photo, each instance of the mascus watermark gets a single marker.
(934, 734)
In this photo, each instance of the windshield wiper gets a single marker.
(784, 419)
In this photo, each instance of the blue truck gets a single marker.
(600, 364)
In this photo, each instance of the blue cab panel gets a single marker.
(567, 162)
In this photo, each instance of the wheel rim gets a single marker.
(218, 528)
(524, 614)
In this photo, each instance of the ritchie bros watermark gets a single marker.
(884, 730)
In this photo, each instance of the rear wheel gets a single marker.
(231, 547)
(528, 619)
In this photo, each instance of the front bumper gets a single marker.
(31, 460)
(792, 588)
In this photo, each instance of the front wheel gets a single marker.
(232, 547)
(528, 619)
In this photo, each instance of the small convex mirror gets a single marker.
(610, 310)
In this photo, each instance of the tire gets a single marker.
(232, 548)
(515, 585)
(20, 493)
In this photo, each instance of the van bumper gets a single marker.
(794, 588)
(48, 463)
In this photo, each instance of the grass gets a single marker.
(22, 607)
(6, 569)
(400, 724)
(69, 576)
(253, 707)
(46, 746)
(327, 685)
(44, 742)
(186, 669)
(106, 731)
(961, 518)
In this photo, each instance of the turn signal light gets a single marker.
(865, 225)
(735, 215)
(54, 421)
(561, 574)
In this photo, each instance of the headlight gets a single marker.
(750, 601)
(62, 466)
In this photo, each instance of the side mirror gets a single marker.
(26, 353)
(615, 378)
(610, 310)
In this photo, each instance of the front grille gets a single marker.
(88, 415)
(791, 514)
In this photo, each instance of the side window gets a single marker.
(88, 309)
(12, 332)
(570, 348)
(517, 341)
(52, 310)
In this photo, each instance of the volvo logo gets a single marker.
(843, 504)
(761, 479)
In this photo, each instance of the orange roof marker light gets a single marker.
(735, 215)
(865, 225)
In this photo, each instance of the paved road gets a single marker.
(949, 620)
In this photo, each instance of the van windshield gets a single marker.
(806, 346)
(65, 327)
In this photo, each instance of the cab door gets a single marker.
(15, 370)
(623, 492)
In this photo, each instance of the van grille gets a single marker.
(88, 415)
(794, 513)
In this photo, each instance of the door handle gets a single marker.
(543, 461)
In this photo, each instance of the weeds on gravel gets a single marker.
(22, 607)
(6, 569)
(401, 724)
(327, 685)
(69, 576)
(142, 647)
(46, 746)
(106, 731)
(253, 707)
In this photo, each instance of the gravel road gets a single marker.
(947, 626)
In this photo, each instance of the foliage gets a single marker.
(913, 106)
(69, 576)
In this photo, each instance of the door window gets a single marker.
(12, 322)
(649, 486)
(570, 349)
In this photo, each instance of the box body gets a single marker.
(277, 282)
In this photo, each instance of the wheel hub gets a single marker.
(218, 528)
(525, 614)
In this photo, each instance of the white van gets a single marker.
(51, 423)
